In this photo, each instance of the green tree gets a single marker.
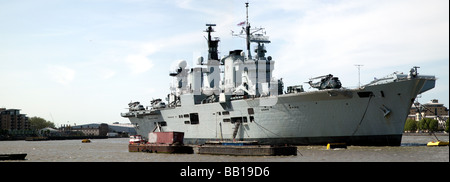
(427, 124)
(410, 125)
(446, 126)
(433, 125)
(423, 124)
(38, 123)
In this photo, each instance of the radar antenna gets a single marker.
(212, 44)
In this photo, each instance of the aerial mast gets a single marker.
(247, 32)
(359, 74)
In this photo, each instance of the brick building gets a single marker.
(11, 119)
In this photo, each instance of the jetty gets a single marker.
(45, 138)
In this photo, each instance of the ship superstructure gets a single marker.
(237, 98)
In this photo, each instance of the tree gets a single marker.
(410, 125)
(428, 124)
(423, 124)
(446, 126)
(38, 123)
(433, 125)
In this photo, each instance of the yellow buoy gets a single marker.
(336, 145)
(86, 141)
(438, 143)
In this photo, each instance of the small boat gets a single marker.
(438, 143)
(86, 141)
(136, 139)
(13, 156)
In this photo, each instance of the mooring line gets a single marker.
(364, 115)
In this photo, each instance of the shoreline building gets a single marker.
(104, 129)
(100, 130)
(83, 130)
(433, 110)
(12, 120)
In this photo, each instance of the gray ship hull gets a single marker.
(372, 115)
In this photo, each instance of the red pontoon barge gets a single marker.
(162, 142)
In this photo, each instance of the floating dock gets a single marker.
(245, 148)
(64, 138)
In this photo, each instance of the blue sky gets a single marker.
(84, 61)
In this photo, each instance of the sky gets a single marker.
(78, 62)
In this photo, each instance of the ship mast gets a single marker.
(253, 35)
(247, 32)
(212, 44)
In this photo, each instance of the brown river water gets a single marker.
(413, 149)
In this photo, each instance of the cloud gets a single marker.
(138, 63)
(332, 37)
(136, 55)
(61, 74)
(107, 73)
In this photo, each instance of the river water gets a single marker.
(413, 149)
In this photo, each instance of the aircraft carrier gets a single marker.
(237, 98)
